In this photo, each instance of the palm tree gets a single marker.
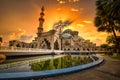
(108, 17)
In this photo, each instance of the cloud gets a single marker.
(20, 34)
(58, 9)
(61, 1)
(118, 33)
(62, 24)
(26, 38)
(87, 21)
(74, 10)
(16, 34)
(98, 41)
(73, 0)
(1, 35)
(68, 27)
(80, 25)
(65, 1)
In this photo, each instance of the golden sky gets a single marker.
(19, 18)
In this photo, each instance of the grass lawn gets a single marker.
(115, 56)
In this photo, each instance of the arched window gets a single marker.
(18, 45)
(88, 49)
(83, 49)
(56, 45)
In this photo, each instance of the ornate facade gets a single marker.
(56, 39)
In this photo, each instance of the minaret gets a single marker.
(41, 21)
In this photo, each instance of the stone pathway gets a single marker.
(108, 70)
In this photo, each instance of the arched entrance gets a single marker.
(78, 49)
(56, 45)
(18, 45)
(48, 43)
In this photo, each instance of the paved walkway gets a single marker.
(108, 70)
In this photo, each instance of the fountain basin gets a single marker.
(46, 73)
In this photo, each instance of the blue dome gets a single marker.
(67, 30)
(66, 36)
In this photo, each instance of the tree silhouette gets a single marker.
(108, 17)
(111, 39)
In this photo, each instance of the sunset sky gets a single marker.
(19, 18)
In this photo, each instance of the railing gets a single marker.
(37, 49)
(21, 49)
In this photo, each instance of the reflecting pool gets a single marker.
(61, 62)
(40, 63)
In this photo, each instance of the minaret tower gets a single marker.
(41, 21)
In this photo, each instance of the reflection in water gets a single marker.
(58, 63)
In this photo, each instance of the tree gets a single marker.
(104, 45)
(108, 17)
(111, 40)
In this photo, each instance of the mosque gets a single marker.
(56, 39)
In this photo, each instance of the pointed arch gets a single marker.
(56, 45)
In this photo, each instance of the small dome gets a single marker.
(66, 35)
(80, 38)
(67, 30)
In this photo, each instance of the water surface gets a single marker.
(41, 63)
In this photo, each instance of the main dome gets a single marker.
(66, 35)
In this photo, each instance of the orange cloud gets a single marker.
(64, 1)
(1, 35)
(16, 34)
(73, 0)
(80, 25)
(118, 33)
(87, 21)
(74, 10)
(69, 27)
(58, 9)
(98, 41)
(61, 1)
